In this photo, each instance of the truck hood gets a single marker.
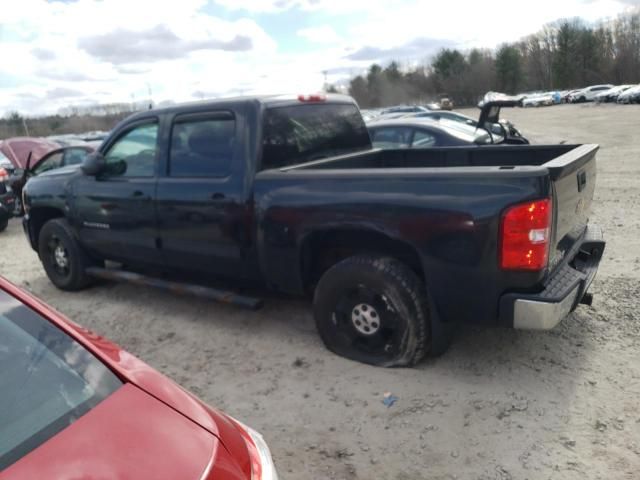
(130, 435)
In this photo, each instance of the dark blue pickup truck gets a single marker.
(396, 246)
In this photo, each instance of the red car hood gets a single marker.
(233, 460)
(139, 437)
(17, 150)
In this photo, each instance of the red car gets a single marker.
(75, 406)
(17, 150)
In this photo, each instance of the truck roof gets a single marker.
(229, 102)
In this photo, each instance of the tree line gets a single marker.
(564, 55)
(72, 119)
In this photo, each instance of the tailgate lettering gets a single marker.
(582, 180)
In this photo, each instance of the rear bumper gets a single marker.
(563, 290)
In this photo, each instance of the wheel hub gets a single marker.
(365, 319)
(60, 257)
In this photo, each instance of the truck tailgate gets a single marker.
(574, 180)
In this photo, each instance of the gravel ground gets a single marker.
(499, 404)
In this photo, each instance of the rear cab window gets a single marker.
(297, 134)
(47, 380)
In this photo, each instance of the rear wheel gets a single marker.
(373, 310)
(63, 258)
(4, 224)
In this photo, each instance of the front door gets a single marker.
(201, 214)
(116, 214)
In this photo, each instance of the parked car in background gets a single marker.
(496, 128)
(370, 114)
(18, 149)
(7, 204)
(445, 115)
(74, 405)
(565, 94)
(588, 94)
(61, 157)
(95, 136)
(403, 109)
(446, 103)
(66, 140)
(538, 100)
(612, 94)
(425, 133)
(631, 95)
(7, 168)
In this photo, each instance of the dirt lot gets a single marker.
(498, 405)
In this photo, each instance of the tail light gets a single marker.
(262, 467)
(3, 174)
(525, 233)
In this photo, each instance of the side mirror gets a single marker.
(93, 164)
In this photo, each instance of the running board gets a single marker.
(222, 296)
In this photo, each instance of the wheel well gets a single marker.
(40, 216)
(322, 250)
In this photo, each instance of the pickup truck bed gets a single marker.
(449, 214)
(395, 245)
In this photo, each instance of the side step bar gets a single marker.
(223, 296)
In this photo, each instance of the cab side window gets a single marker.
(133, 154)
(202, 147)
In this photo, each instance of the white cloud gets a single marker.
(320, 34)
(52, 48)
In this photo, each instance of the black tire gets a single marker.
(4, 224)
(57, 234)
(392, 293)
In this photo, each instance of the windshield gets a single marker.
(47, 380)
(301, 133)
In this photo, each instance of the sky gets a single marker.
(54, 54)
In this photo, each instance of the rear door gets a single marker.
(115, 211)
(203, 218)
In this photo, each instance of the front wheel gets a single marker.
(4, 224)
(373, 310)
(62, 257)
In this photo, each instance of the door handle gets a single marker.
(217, 196)
(138, 193)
